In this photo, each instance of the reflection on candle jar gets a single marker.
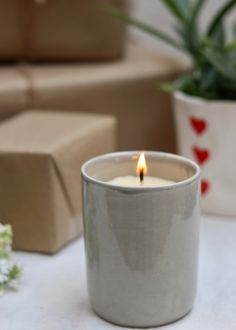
(141, 240)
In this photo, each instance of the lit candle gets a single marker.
(141, 180)
(141, 239)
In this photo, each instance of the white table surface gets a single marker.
(53, 296)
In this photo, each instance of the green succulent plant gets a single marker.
(213, 55)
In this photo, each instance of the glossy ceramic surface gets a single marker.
(141, 243)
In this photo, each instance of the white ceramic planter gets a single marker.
(206, 133)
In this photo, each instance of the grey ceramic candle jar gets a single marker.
(141, 243)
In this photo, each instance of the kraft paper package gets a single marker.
(61, 30)
(40, 158)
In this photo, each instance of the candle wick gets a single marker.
(141, 174)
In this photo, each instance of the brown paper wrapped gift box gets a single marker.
(60, 30)
(40, 159)
(128, 89)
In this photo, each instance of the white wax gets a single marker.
(134, 181)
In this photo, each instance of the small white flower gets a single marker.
(5, 229)
(9, 271)
(5, 240)
(5, 266)
(2, 229)
(3, 278)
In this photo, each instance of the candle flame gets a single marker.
(142, 165)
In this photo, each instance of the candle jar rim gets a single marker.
(161, 155)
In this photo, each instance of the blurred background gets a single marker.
(154, 12)
(80, 58)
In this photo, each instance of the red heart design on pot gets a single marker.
(199, 125)
(205, 185)
(201, 155)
